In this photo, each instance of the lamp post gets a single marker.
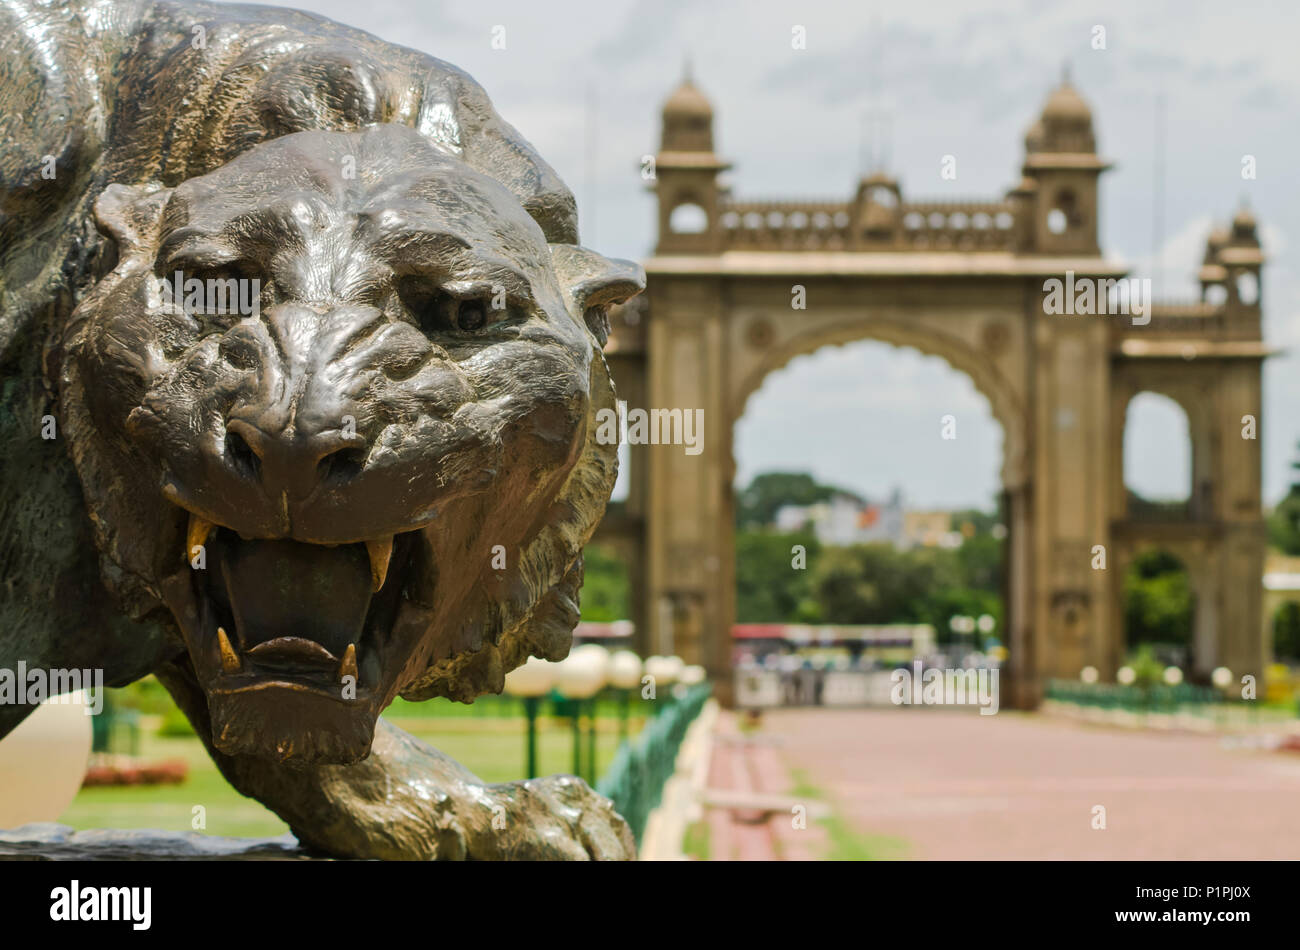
(693, 675)
(1222, 679)
(961, 625)
(579, 677)
(598, 657)
(664, 671)
(530, 683)
(624, 676)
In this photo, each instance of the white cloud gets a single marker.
(867, 416)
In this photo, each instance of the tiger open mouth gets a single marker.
(307, 616)
(298, 646)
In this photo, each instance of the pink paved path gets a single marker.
(957, 785)
(741, 765)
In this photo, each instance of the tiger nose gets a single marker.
(293, 465)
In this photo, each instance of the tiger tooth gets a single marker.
(197, 534)
(229, 658)
(349, 665)
(381, 552)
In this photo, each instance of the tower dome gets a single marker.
(1066, 105)
(1060, 207)
(1243, 223)
(687, 119)
(687, 100)
(1065, 124)
(1215, 242)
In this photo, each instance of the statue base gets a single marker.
(53, 842)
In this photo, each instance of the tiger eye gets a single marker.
(470, 315)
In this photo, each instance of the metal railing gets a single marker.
(643, 764)
(1160, 702)
(1157, 697)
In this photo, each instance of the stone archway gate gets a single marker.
(966, 280)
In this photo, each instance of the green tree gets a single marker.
(1286, 632)
(769, 588)
(857, 584)
(604, 586)
(1284, 524)
(1157, 600)
(982, 521)
(875, 583)
(1147, 668)
(757, 505)
(981, 563)
(1284, 520)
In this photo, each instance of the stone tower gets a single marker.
(686, 174)
(1230, 269)
(1061, 171)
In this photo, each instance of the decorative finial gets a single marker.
(688, 74)
(1065, 73)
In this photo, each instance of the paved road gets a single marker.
(957, 785)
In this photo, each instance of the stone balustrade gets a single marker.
(957, 225)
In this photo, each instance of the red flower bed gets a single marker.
(132, 772)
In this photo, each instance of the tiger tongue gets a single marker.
(279, 589)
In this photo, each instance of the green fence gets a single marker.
(1204, 702)
(492, 706)
(1157, 697)
(642, 766)
(116, 728)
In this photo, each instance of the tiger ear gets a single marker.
(591, 282)
(129, 214)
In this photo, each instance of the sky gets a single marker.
(585, 82)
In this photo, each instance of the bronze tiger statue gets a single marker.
(292, 505)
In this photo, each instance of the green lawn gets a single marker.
(171, 807)
(490, 746)
(843, 842)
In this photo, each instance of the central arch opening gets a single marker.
(1157, 458)
(868, 506)
(1159, 609)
